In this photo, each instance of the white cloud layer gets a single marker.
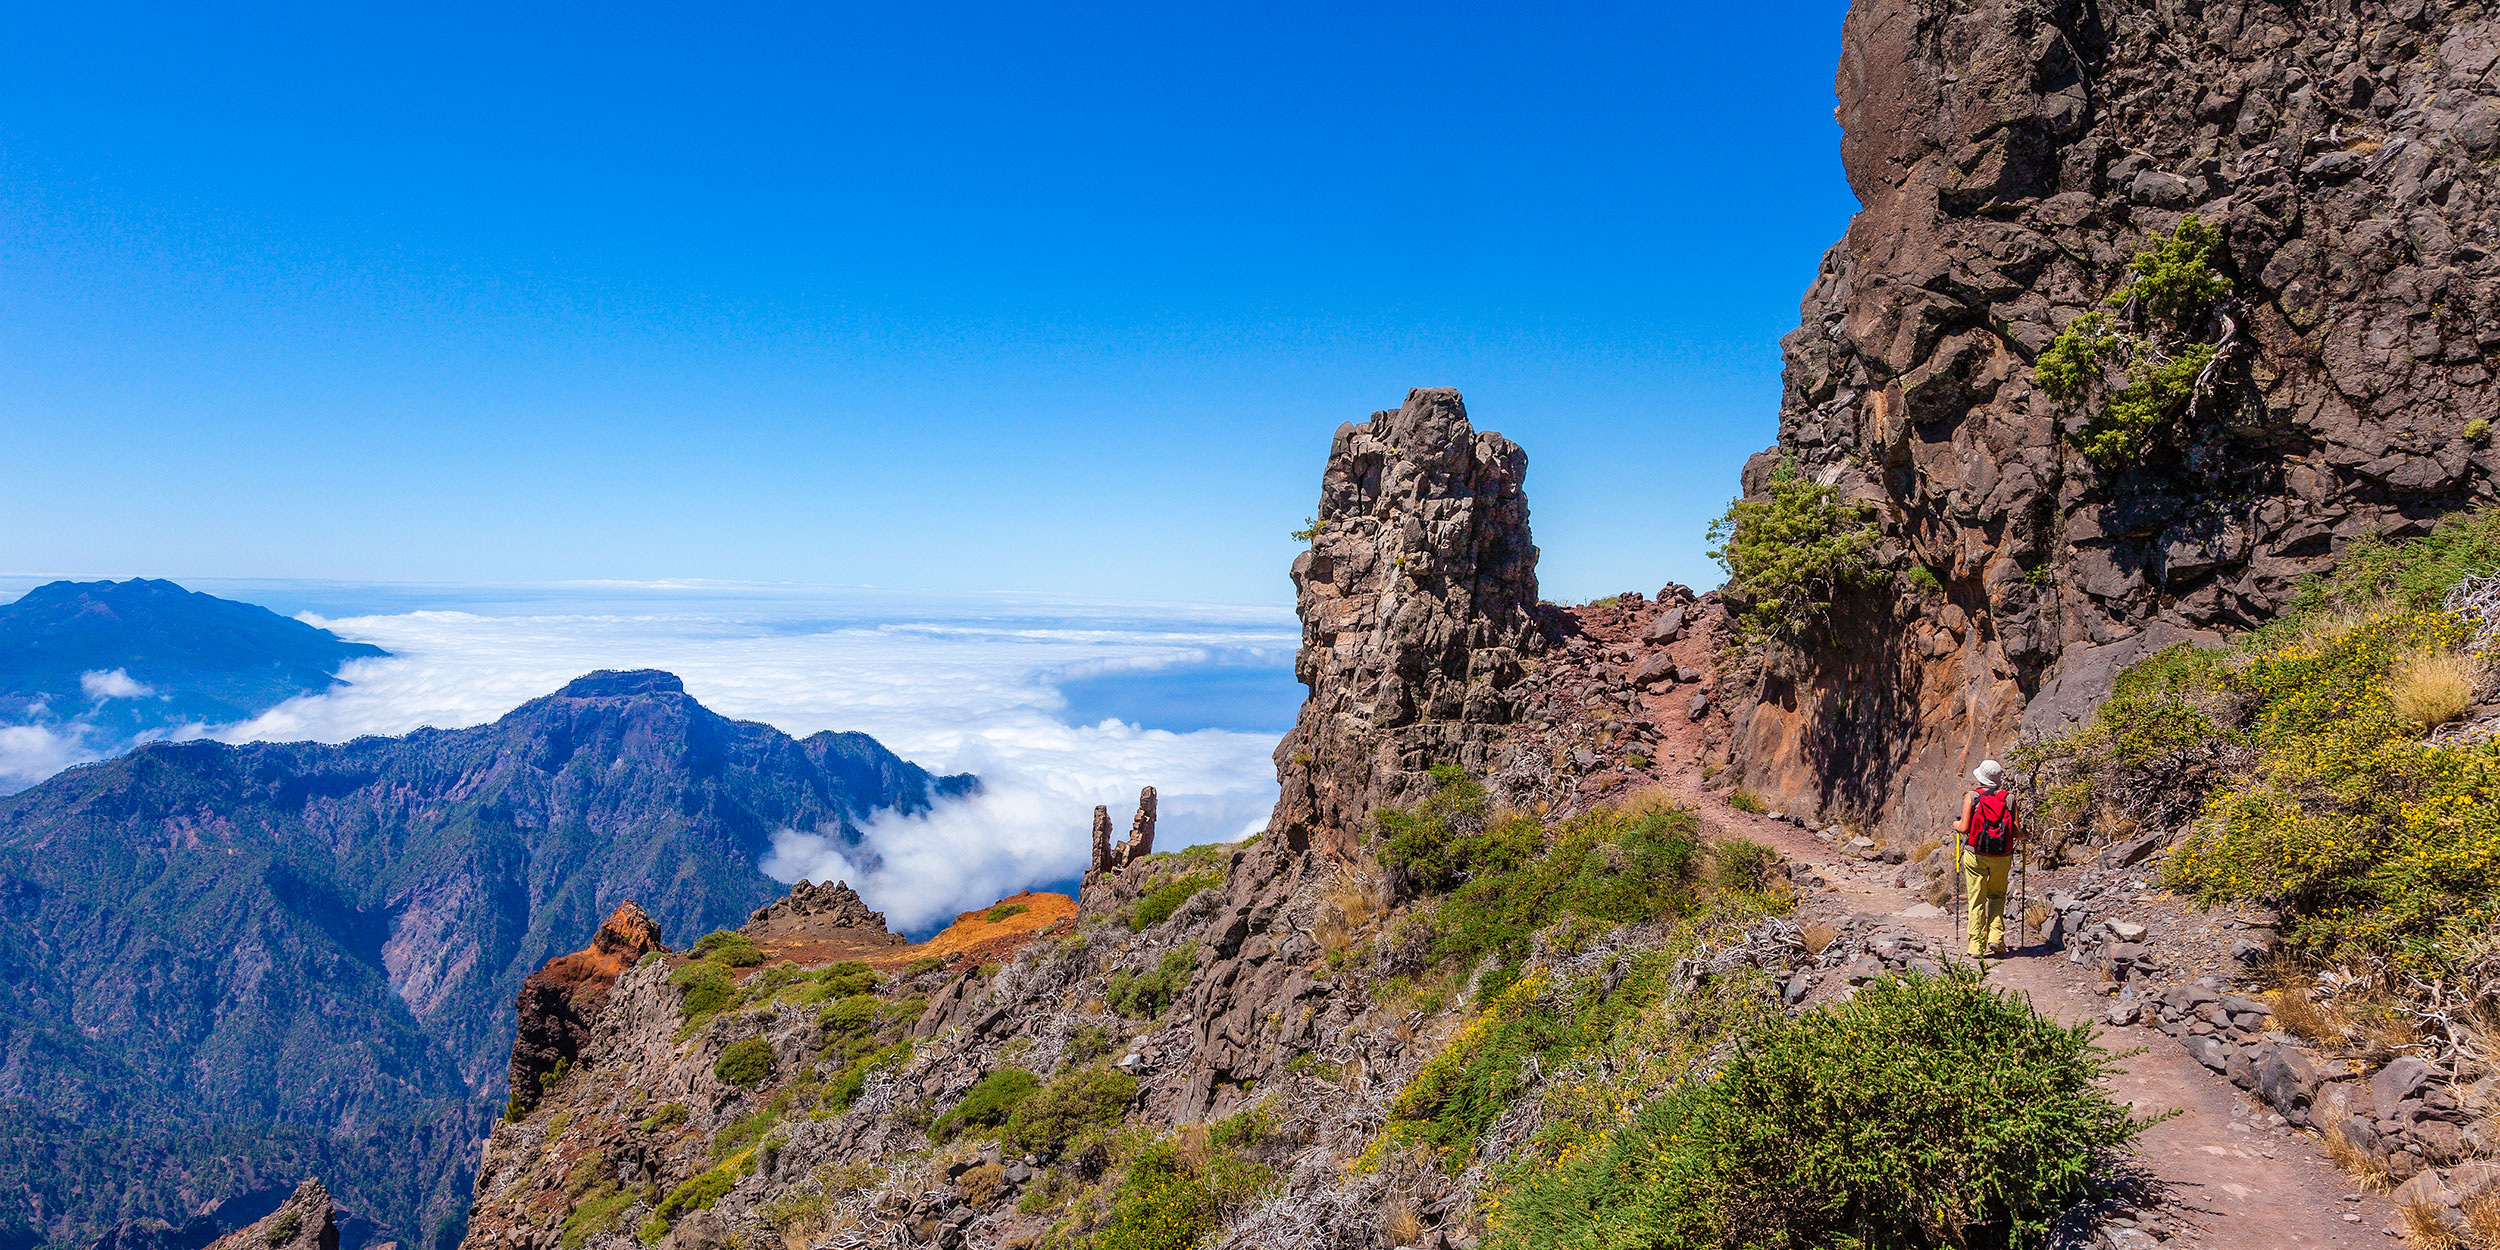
(30, 753)
(113, 684)
(970, 692)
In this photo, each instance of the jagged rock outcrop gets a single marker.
(559, 1001)
(2010, 157)
(1418, 601)
(835, 906)
(306, 1221)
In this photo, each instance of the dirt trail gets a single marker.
(2235, 1180)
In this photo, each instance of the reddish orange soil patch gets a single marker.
(973, 936)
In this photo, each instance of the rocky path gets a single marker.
(2235, 1179)
(2233, 1176)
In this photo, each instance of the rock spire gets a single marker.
(1418, 601)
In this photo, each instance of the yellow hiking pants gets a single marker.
(1983, 881)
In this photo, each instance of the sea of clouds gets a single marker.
(1189, 699)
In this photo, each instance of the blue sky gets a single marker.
(953, 297)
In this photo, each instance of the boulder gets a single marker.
(2438, 1140)
(1657, 670)
(1700, 707)
(2211, 1053)
(2468, 1179)
(2279, 1081)
(1667, 628)
(2401, 1079)
(2241, 1070)
(2428, 1188)
(2129, 853)
(2127, 930)
(1799, 985)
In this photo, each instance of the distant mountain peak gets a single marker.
(102, 665)
(622, 683)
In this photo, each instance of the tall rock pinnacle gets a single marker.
(1418, 602)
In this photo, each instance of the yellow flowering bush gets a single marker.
(2373, 841)
(2377, 842)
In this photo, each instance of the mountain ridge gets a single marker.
(180, 921)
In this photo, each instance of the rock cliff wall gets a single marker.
(2011, 156)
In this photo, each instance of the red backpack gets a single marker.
(1991, 823)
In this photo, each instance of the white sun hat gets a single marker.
(1989, 773)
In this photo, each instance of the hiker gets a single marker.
(1983, 852)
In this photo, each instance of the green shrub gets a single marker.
(1158, 904)
(2173, 285)
(1090, 1042)
(854, 1015)
(924, 965)
(1626, 1023)
(2411, 573)
(1788, 554)
(596, 1213)
(988, 1104)
(2173, 278)
(1923, 580)
(1451, 836)
(745, 1063)
(1736, 864)
(841, 980)
(2295, 756)
(698, 1193)
(728, 948)
(1922, 1112)
(1148, 994)
(704, 990)
(1076, 1103)
(1166, 1202)
(1514, 876)
(749, 1129)
(1004, 910)
(1746, 801)
(664, 1117)
(845, 1088)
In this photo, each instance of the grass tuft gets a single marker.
(2431, 688)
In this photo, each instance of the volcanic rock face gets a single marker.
(2011, 156)
(559, 1000)
(306, 1221)
(1418, 605)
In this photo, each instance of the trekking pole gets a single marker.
(1959, 945)
(2022, 892)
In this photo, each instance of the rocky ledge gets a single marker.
(559, 1001)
